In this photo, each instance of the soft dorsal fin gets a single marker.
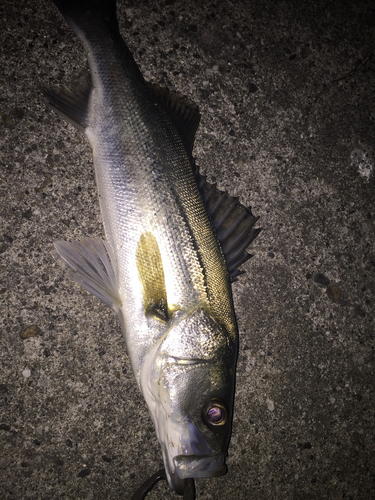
(183, 113)
(151, 274)
(91, 263)
(72, 106)
(232, 222)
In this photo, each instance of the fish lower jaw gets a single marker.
(172, 360)
(193, 466)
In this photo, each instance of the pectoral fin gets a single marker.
(91, 263)
(151, 274)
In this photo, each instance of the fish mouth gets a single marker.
(190, 456)
(200, 465)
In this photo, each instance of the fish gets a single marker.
(173, 244)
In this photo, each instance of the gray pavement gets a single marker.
(286, 93)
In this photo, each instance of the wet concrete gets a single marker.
(286, 93)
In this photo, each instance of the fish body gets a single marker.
(162, 266)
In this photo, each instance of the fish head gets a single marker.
(188, 384)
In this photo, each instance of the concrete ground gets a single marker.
(286, 93)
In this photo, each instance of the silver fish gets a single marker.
(173, 243)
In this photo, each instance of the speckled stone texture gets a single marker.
(286, 93)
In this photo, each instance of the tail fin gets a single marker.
(83, 15)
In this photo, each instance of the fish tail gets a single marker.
(85, 16)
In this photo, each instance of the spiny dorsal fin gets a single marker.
(183, 113)
(232, 222)
(91, 263)
(151, 274)
(72, 106)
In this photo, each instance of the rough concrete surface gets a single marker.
(286, 93)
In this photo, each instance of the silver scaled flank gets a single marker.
(163, 267)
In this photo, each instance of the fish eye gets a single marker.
(215, 413)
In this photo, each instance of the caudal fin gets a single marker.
(84, 16)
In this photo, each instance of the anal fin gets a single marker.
(71, 105)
